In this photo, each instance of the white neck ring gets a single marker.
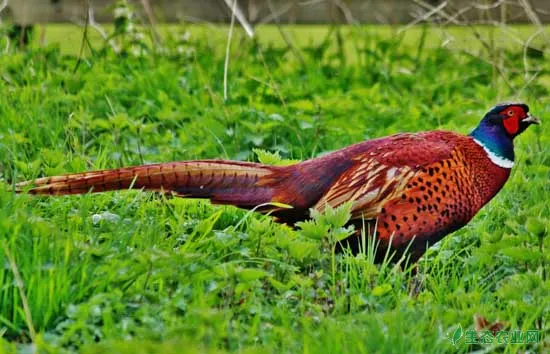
(497, 160)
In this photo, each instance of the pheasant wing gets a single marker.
(383, 172)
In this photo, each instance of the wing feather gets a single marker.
(383, 172)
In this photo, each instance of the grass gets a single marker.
(136, 272)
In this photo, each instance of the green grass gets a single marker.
(511, 37)
(136, 272)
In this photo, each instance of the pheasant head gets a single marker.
(497, 130)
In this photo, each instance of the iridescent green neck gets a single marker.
(496, 142)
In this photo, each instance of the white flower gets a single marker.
(97, 218)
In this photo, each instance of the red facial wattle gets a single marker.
(511, 118)
(511, 124)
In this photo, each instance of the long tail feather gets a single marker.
(239, 183)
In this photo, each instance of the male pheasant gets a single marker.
(412, 189)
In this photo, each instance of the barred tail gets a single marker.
(243, 184)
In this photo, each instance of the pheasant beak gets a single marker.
(532, 119)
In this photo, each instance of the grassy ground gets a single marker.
(135, 272)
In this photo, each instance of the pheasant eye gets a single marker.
(510, 113)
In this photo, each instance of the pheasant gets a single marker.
(408, 190)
